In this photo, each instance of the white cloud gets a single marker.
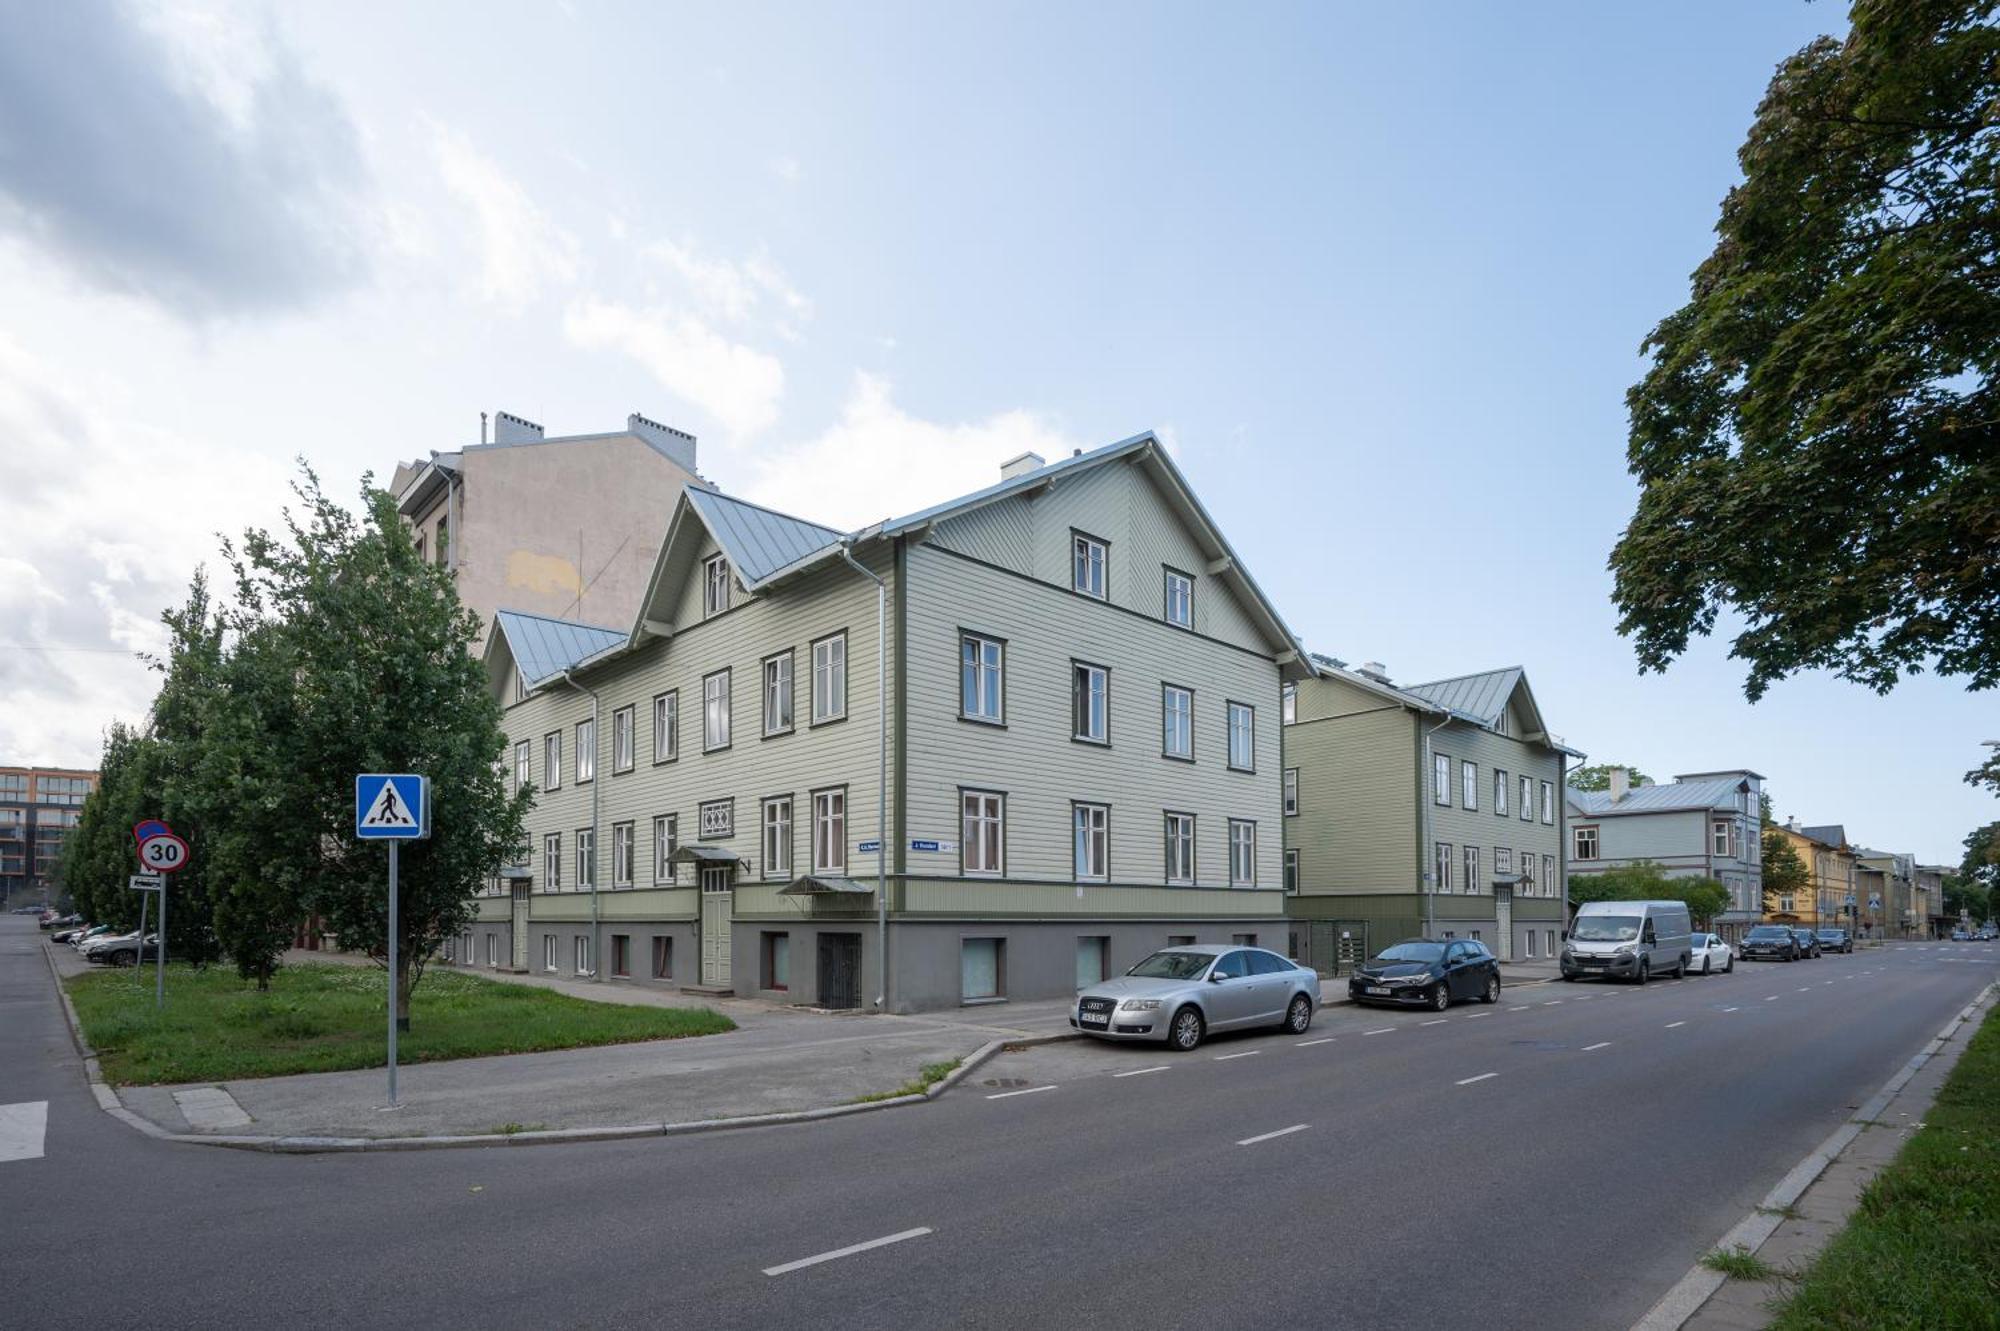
(522, 251)
(736, 384)
(878, 461)
(736, 292)
(787, 168)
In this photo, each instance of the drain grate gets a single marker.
(1005, 1081)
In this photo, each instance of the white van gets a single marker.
(1628, 939)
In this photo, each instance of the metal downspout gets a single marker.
(596, 966)
(881, 774)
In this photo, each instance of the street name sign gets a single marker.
(391, 807)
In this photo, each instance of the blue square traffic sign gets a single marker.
(392, 806)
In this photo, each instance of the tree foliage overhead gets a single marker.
(1817, 439)
(1597, 776)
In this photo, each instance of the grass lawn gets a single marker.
(324, 1018)
(1923, 1250)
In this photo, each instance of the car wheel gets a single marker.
(1441, 999)
(1707, 963)
(1569, 979)
(1187, 1028)
(1730, 969)
(1492, 994)
(1681, 967)
(1645, 969)
(1299, 1015)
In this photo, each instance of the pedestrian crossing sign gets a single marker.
(392, 806)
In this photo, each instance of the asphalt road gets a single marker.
(1559, 1160)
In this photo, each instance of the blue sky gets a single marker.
(1378, 273)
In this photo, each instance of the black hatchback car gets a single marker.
(1428, 972)
(1835, 940)
(1808, 942)
(1769, 942)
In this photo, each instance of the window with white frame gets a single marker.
(1288, 699)
(1719, 841)
(1242, 737)
(1548, 875)
(982, 831)
(1500, 791)
(667, 726)
(830, 831)
(1441, 779)
(1090, 703)
(1441, 865)
(1087, 565)
(829, 679)
(1180, 599)
(715, 585)
(1180, 849)
(552, 761)
(1472, 878)
(621, 854)
(1549, 803)
(718, 819)
(1291, 792)
(622, 722)
(1091, 824)
(1528, 872)
(1177, 722)
(548, 952)
(1242, 853)
(552, 862)
(666, 840)
(1527, 799)
(1292, 872)
(1583, 843)
(1531, 944)
(778, 837)
(1468, 783)
(778, 694)
(981, 678)
(586, 751)
(586, 859)
(521, 772)
(715, 711)
(583, 955)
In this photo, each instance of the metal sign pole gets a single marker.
(392, 973)
(160, 973)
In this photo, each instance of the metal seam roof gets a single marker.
(759, 541)
(1680, 797)
(544, 647)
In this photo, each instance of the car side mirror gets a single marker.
(1217, 977)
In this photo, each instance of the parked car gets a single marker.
(1770, 942)
(92, 934)
(69, 935)
(1834, 940)
(1429, 973)
(1961, 936)
(1181, 994)
(122, 950)
(1628, 939)
(1712, 953)
(1808, 942)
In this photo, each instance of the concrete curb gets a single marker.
(1694, 1289)
(107, 1100)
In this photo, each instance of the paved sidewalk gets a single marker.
(780, 1059)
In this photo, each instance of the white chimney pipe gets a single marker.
(1621, 783)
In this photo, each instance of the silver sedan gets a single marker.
(1181, 994)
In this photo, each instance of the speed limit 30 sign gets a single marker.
(160, 851)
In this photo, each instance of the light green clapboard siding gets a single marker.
(973, 899)
(753, 767)
(1482, 827)
(1356, 827)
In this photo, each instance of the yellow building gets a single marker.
(1830, 865)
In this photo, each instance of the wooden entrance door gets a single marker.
(1503, 919)
(520, 929)
(840, 970)
(716, 899)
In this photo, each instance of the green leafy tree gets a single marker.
(1597, 776)
(375, 648)
(1643, 880)
(1817, 438)
(98, 855)
(1988, 773)
(1785, 874)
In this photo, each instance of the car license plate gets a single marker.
(1378, 989)
(1095, 1019)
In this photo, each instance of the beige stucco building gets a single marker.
(567, 527)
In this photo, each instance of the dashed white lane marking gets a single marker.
(1475, 1016)
(1601, 1044)
(1247, 1053)
(1731, 1009)
(1805, 988)
(1266, 1136)
(1307, 1044)
(851, 1249)
(23, 1128)
(1553, 1002)
(1140, 1072)
(1383, 1031)
(1481, 1077)
(1032, 1090)
(1770, 998)
(1672, 1024)
(1436, 1021)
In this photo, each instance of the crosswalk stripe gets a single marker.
(22, 1128)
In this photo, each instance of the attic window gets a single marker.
(715, 585)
